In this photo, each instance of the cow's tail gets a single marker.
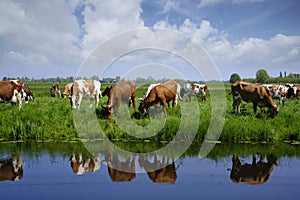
(178, 92)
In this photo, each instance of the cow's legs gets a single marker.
(254, 107)
(164, 107)
(79, 100)
(133, 97)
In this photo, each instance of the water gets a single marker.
(48, 173)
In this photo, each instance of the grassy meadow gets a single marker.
(49, 118)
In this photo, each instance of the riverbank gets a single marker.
(49, 118)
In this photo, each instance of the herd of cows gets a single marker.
(159, 94)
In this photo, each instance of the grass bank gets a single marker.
(52, 118)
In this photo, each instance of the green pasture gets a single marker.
(49, 118)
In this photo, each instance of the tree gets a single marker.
(280, 74)
(234, 77)
(262, 76)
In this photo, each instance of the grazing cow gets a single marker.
(255, 173)
(194, 89)
(159, 171)
(296, 89)
(11, 91)
(11, 169)
(281, 92)
(82, 165)
(160, 95)
(258, 94)
(67, 90)
(118, 93)
(82, 88)
(55, 91)
(28, 94)
(120, 171)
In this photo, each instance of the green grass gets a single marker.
(52, 118)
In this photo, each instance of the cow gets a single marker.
(120, 171)
(81, 165)
(258, 94)
(282, 92)
(11, 169)
(118, 93)
(296, 89)
(55, 90)
(11, 91)
(194, 89)
(160, 95)
(67, 90)
(27, 94)
(255, 173)
(158, 171)
(82, 88)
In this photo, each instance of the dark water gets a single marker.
(53, 171)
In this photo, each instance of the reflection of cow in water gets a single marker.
(159, 171)
(120, 171)
(11, 169)
(255, 173)
(81, 165)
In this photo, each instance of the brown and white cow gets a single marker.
(55, 90)
(120, 171)
(118, 93)
(258, 94)
(160, 95)
(194, 89)
(159, 171)
(11, 91)
(282, 92)
(67, 90)
(254, 173)
(82, 88)
(11, 169)
(81, 165)
(27, 94)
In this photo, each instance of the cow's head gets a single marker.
(108, 111)
(274, 111)
(142, 109)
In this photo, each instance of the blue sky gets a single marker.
(54, 38)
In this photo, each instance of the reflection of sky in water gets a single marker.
(51, 177)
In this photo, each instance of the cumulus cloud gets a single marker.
(38, 32)
(104, 19)
(274, 53)
(58, 35)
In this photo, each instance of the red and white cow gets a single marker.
(55, 90)
(282, 92)
(67, 90)
(119, 93)
(11, 91)
(160, 95)
(194, 89)
(81, 165)
(258, 94)
(11, 169)
(27, 93)
(82, 88)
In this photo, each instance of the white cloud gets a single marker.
(104, 19)
(209, 3)
(38, 33)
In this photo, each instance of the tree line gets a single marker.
(263, 77)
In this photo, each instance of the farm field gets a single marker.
(49, 118)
